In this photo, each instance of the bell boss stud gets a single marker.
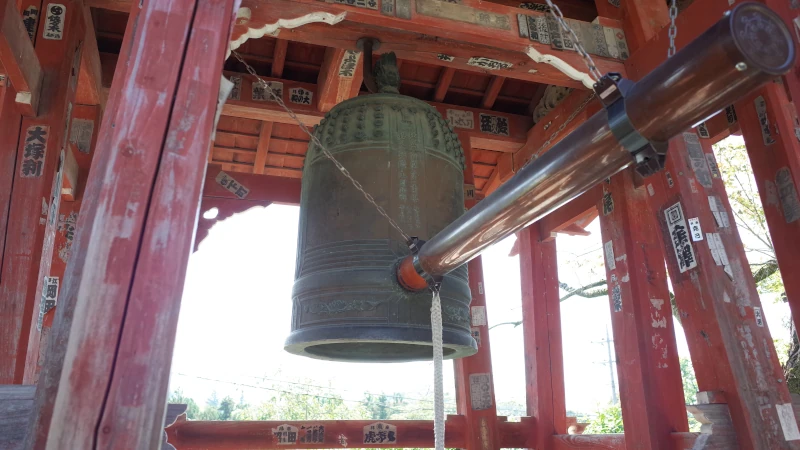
(748, 47)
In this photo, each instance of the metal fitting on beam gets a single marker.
(648, 155)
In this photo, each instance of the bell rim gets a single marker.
(299, 342)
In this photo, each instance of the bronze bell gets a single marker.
(347, 304)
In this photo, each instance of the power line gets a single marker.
(331, 388)
(394, 409)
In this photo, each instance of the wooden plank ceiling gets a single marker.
(247, 142)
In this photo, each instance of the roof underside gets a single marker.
(237, 140)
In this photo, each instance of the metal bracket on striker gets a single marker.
(415, 244)
(649, 155)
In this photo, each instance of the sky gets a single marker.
(236, 314)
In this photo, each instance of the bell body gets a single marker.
(347, 304)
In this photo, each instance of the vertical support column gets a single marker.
(651, 392)
(32, 213)
(769, 126)
(9, 135)
(732, 351)
(541, 327)
(81, 144)
(474, 379)
(135, 233)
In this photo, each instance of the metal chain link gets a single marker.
(561, 128)
(325, 151)
(673, 29)
(555, 11)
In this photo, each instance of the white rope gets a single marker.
(438, 378)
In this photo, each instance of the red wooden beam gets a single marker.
(445, 77)
(34, 202)
(651, 392)
(502, 172)
(775, 158)
(339, 78)
(121, 250)
(264, 136)
(474, 373)
(544, 129)
(260, 188)
(492, 91)
(279, 57)
(191, 434)
(19, 59)
(732, 350)
(9, 134)
(50, 377)
(494, 139)
(90, 80)
(578, 208)
(427, 34)
(82, 138)
(541, 322)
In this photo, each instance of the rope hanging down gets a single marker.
(438, 377)
(436, 305)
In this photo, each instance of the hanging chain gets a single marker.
(561, 128)
(673, 29)
(587, 59)
(325, 151)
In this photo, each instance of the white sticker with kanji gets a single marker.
(54, 22)
(611, 263)
(285, 434)
(380, 433)
(694, 227)
(759, 316)
(232, 185)
(788, 422)
(478, 316)
(679, 235)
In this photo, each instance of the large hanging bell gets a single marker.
(347, 304)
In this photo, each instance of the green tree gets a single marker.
(192, 410)
(608, 420)
(689, 381)
(226, 407)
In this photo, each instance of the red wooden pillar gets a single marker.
(34, 207)
(651, 392)
(9, 135)
(769, 125)
(135, 232)
(541, 327)
(732, 350)
(82, 137)
(474, 379)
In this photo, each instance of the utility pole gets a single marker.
(610, 362)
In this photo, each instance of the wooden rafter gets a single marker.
(540, 132)
(333, 85)
(263, 147)
(279, 57)
(435, 35)
(90, 81)
(310, 115)
(442, 85)
(492, 91)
